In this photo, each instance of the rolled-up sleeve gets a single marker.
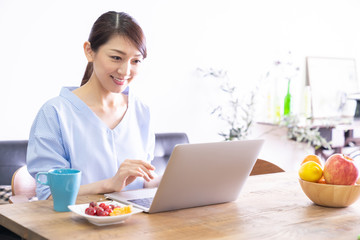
(45, 149)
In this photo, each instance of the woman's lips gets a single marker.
(118, 81)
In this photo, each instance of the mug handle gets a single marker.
(39, 181)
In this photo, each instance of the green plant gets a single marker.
(236, 112)
(305, 133)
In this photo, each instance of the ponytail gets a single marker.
(87, 74)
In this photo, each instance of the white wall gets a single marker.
(41, 51)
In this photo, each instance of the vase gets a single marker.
(287, 101)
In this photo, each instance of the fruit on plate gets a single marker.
(121, 210)
(340, 169)
(310, 171)
(103, 209)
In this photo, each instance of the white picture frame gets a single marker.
(332, 81)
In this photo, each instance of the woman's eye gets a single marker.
(116, 58)
(137, 61)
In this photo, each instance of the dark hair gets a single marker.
(110, 24)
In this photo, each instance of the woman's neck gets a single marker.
(109, 107)
(94, 95)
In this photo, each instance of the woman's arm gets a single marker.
(45, 150)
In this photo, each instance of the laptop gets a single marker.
(196, 175)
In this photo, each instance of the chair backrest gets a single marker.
(23, 183)
(265, 167)
(12, 157)
(164, 145)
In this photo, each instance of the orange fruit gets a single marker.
(322, 180)
(310, 171)
(121, 210)
(313, 158)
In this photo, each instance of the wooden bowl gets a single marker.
(331, 195)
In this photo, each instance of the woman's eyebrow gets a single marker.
(123, 53)
(118, 51)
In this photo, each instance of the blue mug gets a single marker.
(64, 186)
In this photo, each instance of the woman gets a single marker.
(100, 128)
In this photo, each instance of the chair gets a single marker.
(23, 186)
(265, 167)
(164, 145)
(12, 157)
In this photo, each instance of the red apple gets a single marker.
(340, 169)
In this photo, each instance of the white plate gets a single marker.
(106, 220)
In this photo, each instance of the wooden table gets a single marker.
(271, 206)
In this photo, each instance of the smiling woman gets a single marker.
(116, 153)
(117, 59)
(110, 24)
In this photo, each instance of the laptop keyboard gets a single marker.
(145, 202)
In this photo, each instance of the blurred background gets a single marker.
(41, 51)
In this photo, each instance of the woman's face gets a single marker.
(115, 63)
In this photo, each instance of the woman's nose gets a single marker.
(124, 69)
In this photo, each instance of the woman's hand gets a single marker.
(155, 182)
(129, 170)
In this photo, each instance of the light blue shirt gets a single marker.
(66, 133)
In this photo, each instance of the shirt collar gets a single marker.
(67, 93)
